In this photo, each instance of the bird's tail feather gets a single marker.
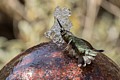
(98, 50)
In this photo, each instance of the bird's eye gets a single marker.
(89, 51)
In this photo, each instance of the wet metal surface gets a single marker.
(47, 62)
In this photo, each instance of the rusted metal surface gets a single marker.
(47, 61)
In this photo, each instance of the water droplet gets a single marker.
(62, 14)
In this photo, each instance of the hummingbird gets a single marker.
(83, 50)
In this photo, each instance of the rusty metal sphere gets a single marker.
(47, 61)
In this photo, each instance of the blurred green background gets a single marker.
(23, 23)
